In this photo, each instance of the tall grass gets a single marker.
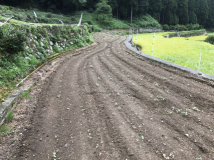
(180, 50)
(3, 129)
(10, 116)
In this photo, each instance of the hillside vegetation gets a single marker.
(23, 47)
(170, 12)
(25, 16)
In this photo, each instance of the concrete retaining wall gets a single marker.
(9, 104)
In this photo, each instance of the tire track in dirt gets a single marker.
(107, 103)
(136, 111)
(203, 128)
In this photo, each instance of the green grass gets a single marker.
(179, 50)
(10, 116)
(3, 129)
(26, 95)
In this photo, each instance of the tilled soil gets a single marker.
(108, 103)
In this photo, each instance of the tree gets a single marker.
(210, 23)
(79, 3)
(143, 6)
(203, 12)
(134, 7)
(183, 12)
(155, 8)
(114, 6)
(169, 12)
(192, 11)
(104, 11)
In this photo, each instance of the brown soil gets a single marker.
(108, 103)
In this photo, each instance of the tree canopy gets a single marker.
(169, 12)
(104, 11)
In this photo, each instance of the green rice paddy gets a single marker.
(179, 50)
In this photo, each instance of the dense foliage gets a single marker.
(11, 40)
(210, 39)
(169, 12)
(104, 11)
(23, 47)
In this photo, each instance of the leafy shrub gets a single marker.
(49, 15)
(210, 39)
(189, 33)
(33, 29)
(90, 10)
(85, 25)
(201, 27)
(18, 17)
(28, 29)
(41, 50)
(10, 116)
(63, 30)
(75, 29)
(96, 28)
(165, 27)
(57, 49)
(65, 36)
(39, 36)
(114, 23)
(73, 19)
(89, 40)
(26, 95)
(181, 27)
(46, 43)
(29, 17)
(196, 26)
(103, 11)
(41, 30)
(146, 21)
(3, 129)
(172, 28)
(44, 20)
(89, 22)
(54, 39)
(33, 61)
(79, 42)
(11, 40)
(189, 27)
(16, 66)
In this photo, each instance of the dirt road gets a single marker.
(108, 104)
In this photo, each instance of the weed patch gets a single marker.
(10, 116)
(26, 95)
(3, 129)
